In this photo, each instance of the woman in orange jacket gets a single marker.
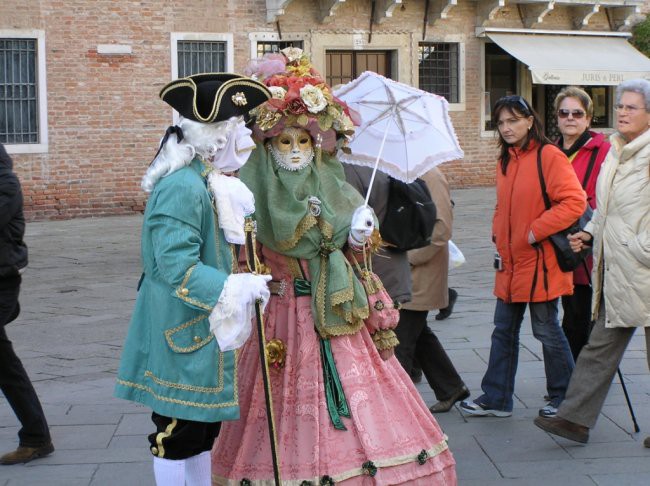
(527, 271)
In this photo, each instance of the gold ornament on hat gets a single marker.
(239, 99)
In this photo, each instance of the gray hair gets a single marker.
(641, 86)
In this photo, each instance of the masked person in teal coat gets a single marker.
(193, 309)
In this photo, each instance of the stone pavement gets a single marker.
(77, 296)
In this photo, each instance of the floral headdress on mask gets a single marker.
(301, 98)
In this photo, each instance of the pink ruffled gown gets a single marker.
(390, 425)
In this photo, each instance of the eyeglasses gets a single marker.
(515, 99)
(577, 114)
(628, 108)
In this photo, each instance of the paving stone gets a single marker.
(622, 479)
(135, 424)
(82, 436)
(38, 473)
(136, 474)
(558, 469)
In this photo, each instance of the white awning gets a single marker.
(581, 60)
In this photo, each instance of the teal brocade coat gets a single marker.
(171, 361)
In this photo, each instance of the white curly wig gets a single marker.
(202, 139)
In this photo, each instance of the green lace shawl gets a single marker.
(285, 225)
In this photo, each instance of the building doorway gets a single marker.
(344, 66)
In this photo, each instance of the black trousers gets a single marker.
(14, 382)
(178, 439)
(576, 322)
(418, 342)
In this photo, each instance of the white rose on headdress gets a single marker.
(277, 92)
(313, 98)
(292, 53)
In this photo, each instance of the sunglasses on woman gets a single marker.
(515, 99)
(577, 114)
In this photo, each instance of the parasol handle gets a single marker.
(374, 170)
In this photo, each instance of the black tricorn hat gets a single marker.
(214, 97)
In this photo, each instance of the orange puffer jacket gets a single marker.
(520, 209)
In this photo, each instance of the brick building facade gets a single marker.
(91, 119)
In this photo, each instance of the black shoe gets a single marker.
(446, 312)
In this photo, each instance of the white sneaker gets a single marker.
(548, 411)
(473, 408)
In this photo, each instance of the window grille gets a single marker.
(201, 57)
(267, 47)
(439, 69)
(18, 91)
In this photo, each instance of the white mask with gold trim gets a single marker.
(292, 149)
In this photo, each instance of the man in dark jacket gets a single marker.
(34, 435)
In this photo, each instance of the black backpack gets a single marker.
(410, 215)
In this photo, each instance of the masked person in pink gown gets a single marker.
(345, 411)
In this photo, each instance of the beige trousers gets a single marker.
(594, 371)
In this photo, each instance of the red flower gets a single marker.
(276, 80)
(296, 106)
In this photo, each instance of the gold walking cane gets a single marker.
(254, 266)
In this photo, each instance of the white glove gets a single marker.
(363, 224)
(234, 201)
(230, 320)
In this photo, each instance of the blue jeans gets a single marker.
(499, 379)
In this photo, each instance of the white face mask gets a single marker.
(292, 149)
(236, 151)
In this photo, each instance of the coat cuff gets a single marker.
(194, 291)
(385, 339)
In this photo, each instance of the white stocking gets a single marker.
(168, 472)
(199, 470)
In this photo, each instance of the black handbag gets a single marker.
(567, 259)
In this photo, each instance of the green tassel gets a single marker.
(337, 405)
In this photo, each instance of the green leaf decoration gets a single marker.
(325, 122)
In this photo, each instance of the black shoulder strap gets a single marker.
(590, 167)
(547, 201)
